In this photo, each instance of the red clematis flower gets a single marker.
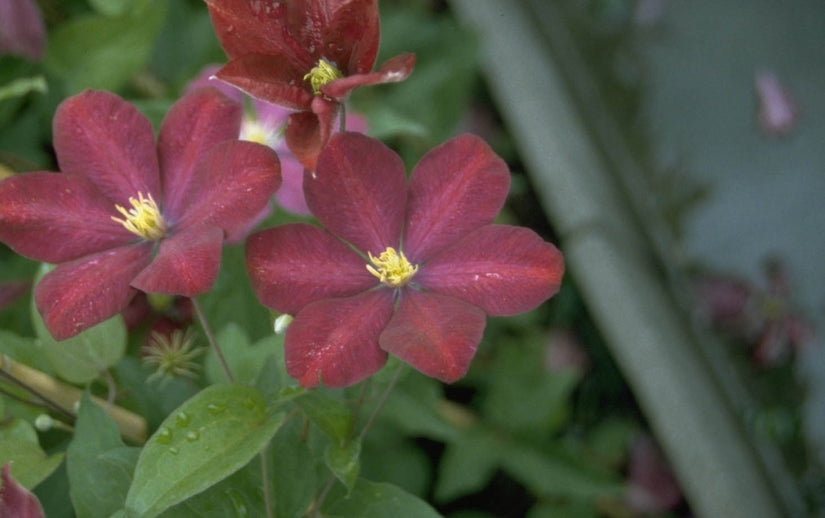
(125, 215)
(408, 268)
(307, 55)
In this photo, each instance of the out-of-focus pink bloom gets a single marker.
(764, 318)
(776, 110)
(265, 123)
(564, 352)
(11, 291)
(652, 488)
(15, 500)
(648, 12)
(22, 31)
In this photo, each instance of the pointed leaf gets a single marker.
(29, 462)
(246, 361)
(377, 500)
(98, 464)
(332, 416)
(343, 459)
(205, 440)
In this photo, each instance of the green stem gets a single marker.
(211, 339)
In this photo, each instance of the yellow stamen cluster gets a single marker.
(324, 73)
(143, 219)
(392, 268)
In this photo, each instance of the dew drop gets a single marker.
(164, 435)
(214, 409)
(193, 435)
(173, 450)
(182, 420)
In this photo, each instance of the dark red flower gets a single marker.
(411, 268)
(127, 215)
(307, 55)
(16, 500)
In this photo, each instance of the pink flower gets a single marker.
(16, 500)
(307, 55)
(21, 29)
(126, 214)
(265, 124)
(652, 487)
(776, 110)
(410, 268)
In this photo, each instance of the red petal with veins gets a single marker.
(56, 217)
(293, 265)
(394, 70)
(102, 137)
(455, 189)
(335, 341)
(15, 500)
(358, 192)
(194, 124)
(270, 78)
(307, 133)
(232, 184)
(79, 294)
(437, 335)
(504, 270)
(186, 264)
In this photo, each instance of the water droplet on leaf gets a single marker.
(182, 420)
(164, 435)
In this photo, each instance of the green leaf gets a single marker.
(205, 440)
(245, 361)
(18, 429)
(413, 406)
(467, 465)
(102, 51)
(25, 350)
(111, 7)
(99, 465)
(330, 415)
(292, 473)
(376, 500)
(344, 461)
(30, 464)
(80, 358)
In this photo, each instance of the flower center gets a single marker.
(392, 268)
(324, 73)
(143, 219)
(253, 130)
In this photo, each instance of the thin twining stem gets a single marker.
(211, 339)
(45, 399)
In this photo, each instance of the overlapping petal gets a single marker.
(394, 70)
(79, 294)
(232, 183)
(454, 189)
(437, 335)
(335, 341)
(57, 217)
(293, 265)
(194, 124)
(359, 192)
(270, 78)
(502, 269)
(102, 137)
(186, 263)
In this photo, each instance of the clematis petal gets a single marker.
(352, 36)
(270, 78)
(293, 265)
(395, 70)
(22, 30)
(307, 133)
(102, 137)
(502, 269)
(437, 335)
(81, 293)
(56, 217)
(230, 187)
(261, 27)
(335, 341)
(455, 188)
(359, 191)
(16, 500)
(195, 123)
(186, 264)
